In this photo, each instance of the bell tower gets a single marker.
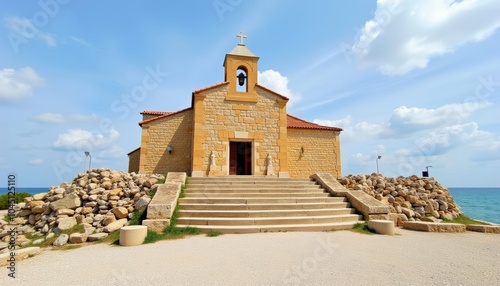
(240, 70)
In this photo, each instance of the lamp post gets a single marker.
(378, 158)
(427, 168)
(87, 154)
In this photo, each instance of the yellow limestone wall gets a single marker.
(175, 130)
(133, 161)
(219, 121)
(321, 152)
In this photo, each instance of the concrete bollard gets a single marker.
(382, 226)
(133, 235)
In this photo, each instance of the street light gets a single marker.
(378, 158)
(425, 174)
(87, 154)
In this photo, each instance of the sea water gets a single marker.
(478, 203)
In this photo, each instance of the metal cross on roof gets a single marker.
(241, 36)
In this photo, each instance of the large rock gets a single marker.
(108, 219)
(115, 225)
(65, 212)
(71, 201)
(39, 197)
(120, 212)
(78, 238)
(61, 240)
(97, 236)
(142, 203)
(66, 223)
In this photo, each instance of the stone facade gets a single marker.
(321, 152)
(133, 160)
(176, 131)
(226, 121)
(229, 130)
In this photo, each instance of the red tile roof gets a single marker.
(210, 87)
(295, 122)
(152, 112)
(165, 114)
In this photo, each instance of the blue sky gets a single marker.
(416, 82)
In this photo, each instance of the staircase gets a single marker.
(250, 204)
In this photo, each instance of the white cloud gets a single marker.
(60, 118)
(25, 28)
(50, 117)
(38, 161)
(278, 83)
(406, 120)
(441, 141)
(84, 139)
(18, 84)
(409, 120)
(369, 159)
(83, 42)
(114, 151)
(361, 130)
(405, 35)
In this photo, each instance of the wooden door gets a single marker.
(233, 157)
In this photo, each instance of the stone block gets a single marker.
(382, 226)
(176, 177)
(330, 184)
(20, 255)
(366, 204)
(434, 227)
(484, 228)
(133, 235)
(156, 225)
(163, 203)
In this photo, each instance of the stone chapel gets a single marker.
(236, 127)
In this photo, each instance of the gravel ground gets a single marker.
(293, 258)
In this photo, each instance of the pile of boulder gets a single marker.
(100, 201)
(410, 198)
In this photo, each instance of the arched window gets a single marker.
(242, 79)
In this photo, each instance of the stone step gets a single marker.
(246, 179)
(290, 200)
(276, 228)
(254, 195)
(253, 190)
(264, 213)
(330, 205)
(197, 221)
(252, 186)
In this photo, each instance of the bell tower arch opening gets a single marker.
(242, 75)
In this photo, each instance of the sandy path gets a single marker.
(323, 258)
